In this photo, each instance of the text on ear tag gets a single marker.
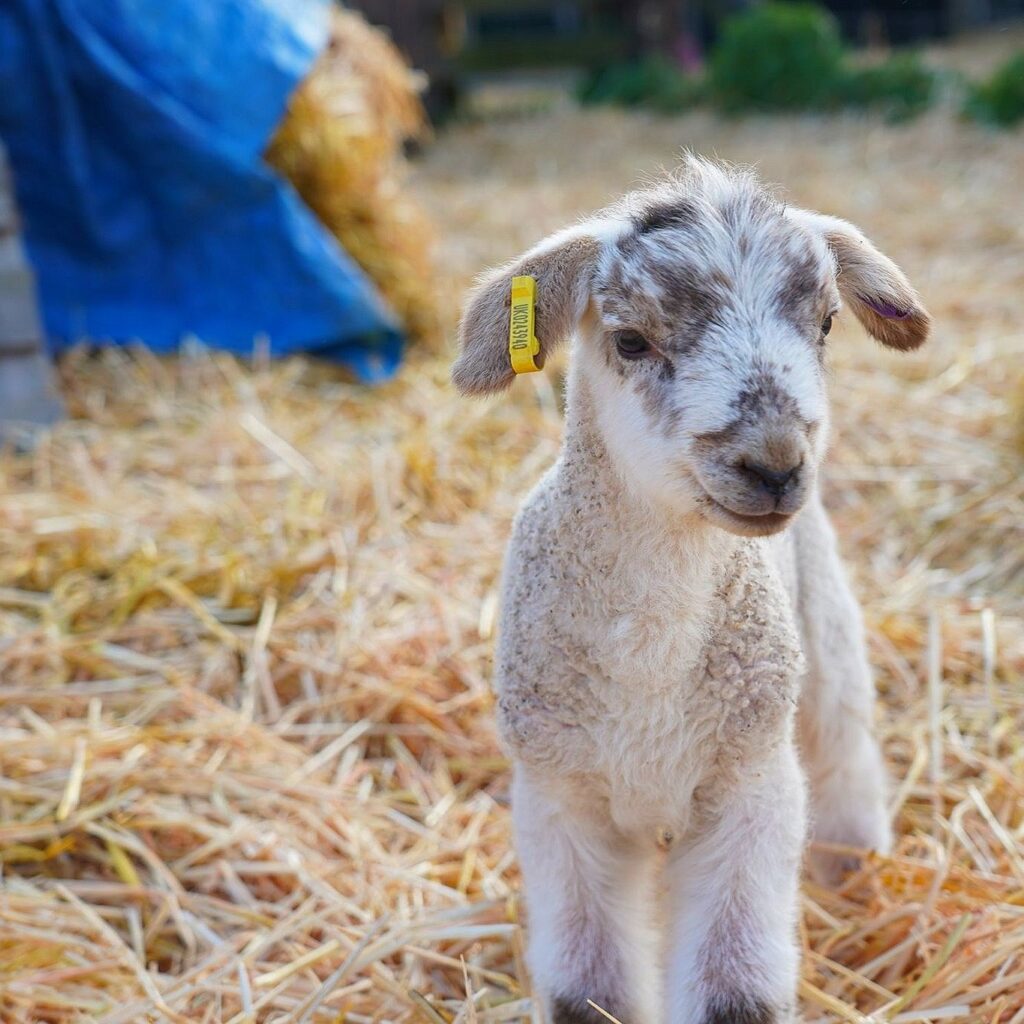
(522, 345)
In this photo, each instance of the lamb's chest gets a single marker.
(658, 744)
(644, 695)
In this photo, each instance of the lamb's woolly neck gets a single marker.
(669, 541)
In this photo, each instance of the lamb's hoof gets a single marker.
(832, 862)
(744, 1010)
(831, 869)
(843, 848)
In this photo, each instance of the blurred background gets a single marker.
(250, 539)
(638, 48)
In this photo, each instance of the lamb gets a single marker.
(680, 653)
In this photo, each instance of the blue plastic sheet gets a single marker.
(136, 130)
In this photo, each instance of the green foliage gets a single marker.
(901, 87)
(653, 82)
(778, 56)
(550, 51)
(1000, 99)
(783, 56)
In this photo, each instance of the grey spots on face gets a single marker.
(657, 393)
(681, 294)
(721, 281)
(652, 379)
(763, 395)
(705, 270)
(781, 429)
(802, 300)
(801, 286)
(693, 262)
(627, 296)
(761, 400)
(692, 301)
(666, 298)
(673, 213)
(674, 305)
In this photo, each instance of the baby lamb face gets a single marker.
(704, 348)
(702, 309)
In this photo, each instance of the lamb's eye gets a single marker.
(826, 325)
(631, 345)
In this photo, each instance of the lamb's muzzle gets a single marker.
(777, 482)
(655, 642)
(757, 472)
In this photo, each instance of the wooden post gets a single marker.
(28, 392)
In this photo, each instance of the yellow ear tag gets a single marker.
(522, 345)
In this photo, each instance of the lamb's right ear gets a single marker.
(881, 297)
(563, 266)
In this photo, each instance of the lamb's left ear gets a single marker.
(563, 266)
(877, 291)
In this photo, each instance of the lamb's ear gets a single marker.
(877, 291)
(563, 266)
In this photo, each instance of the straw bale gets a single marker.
(342, 145)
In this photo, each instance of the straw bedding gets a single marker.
(247, 766)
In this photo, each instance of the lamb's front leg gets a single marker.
(734, 957)
(589, 908)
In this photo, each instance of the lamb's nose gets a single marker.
(775, 481)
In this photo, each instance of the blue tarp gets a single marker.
(136, 130)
